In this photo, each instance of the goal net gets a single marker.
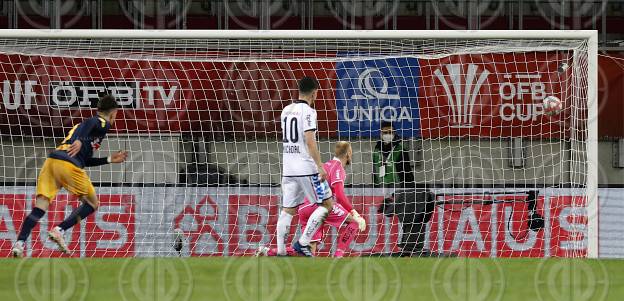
(476, 167)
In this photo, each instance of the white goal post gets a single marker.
(200, 125)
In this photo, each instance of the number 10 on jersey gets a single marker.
(290, 135)
(290, 131)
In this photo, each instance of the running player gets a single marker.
(64, 168)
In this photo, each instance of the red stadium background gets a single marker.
(205, 98)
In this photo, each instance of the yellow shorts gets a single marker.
(57, 173)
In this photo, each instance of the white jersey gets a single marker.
(296, 119)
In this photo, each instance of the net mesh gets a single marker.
(478, 167)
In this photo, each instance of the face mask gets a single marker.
(387, 138)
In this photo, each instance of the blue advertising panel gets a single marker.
(371, 91)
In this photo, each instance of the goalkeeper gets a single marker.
(64, 168)
(342, 212)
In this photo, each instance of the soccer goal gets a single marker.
(465, 143)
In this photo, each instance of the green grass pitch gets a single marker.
(354, 279)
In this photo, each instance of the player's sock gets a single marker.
(283, 225)
(314, 223)
(77, 215)
(345, 237)
(29, 223)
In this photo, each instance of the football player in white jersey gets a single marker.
(303, 175)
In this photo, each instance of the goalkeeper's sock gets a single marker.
(77, 215)
(283, 225)
(289, 252)
(314, 223)
(345, 237)
(29, 223)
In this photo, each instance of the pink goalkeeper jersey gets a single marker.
(335, 171)
(336, 176)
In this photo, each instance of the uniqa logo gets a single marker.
(373, 85)
(462, 91)
(366, 84)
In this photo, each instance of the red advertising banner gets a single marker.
(237, 224)
(46, 94)
(204, 227)
(251, 222)
(569, 226)
(494, 95)
(110, 232)
(501, 229)
(485, 95)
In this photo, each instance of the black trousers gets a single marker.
(413, 208)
